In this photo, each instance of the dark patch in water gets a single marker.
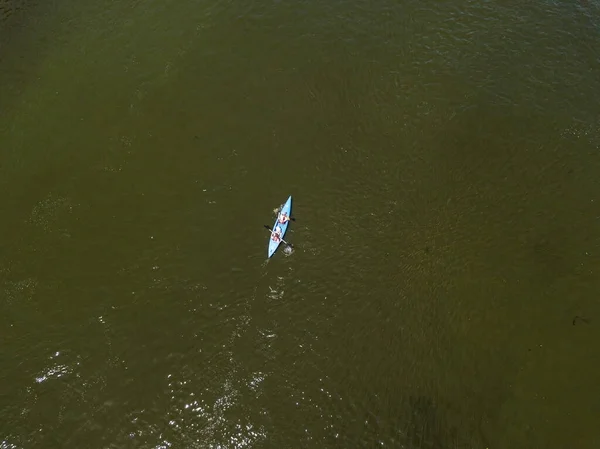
(12, 8)
(578, 320)
(427, 428)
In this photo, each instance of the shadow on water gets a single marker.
(11, 8)
(20, 47)
(28, 32)
(428, 428)
(431, 426)
(421, 422)
(14, 15)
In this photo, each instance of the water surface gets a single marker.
(442, 291)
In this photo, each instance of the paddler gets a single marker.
(276, 236)
(283, 218)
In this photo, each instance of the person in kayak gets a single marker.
(283, 218)
(276, 235)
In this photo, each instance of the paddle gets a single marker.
(288, 244)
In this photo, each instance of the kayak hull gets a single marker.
(273, 245)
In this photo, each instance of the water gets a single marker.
(442, 290)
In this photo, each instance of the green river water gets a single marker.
(442, 291)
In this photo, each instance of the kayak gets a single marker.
(287, 208)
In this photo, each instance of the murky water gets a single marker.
(442, 288)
